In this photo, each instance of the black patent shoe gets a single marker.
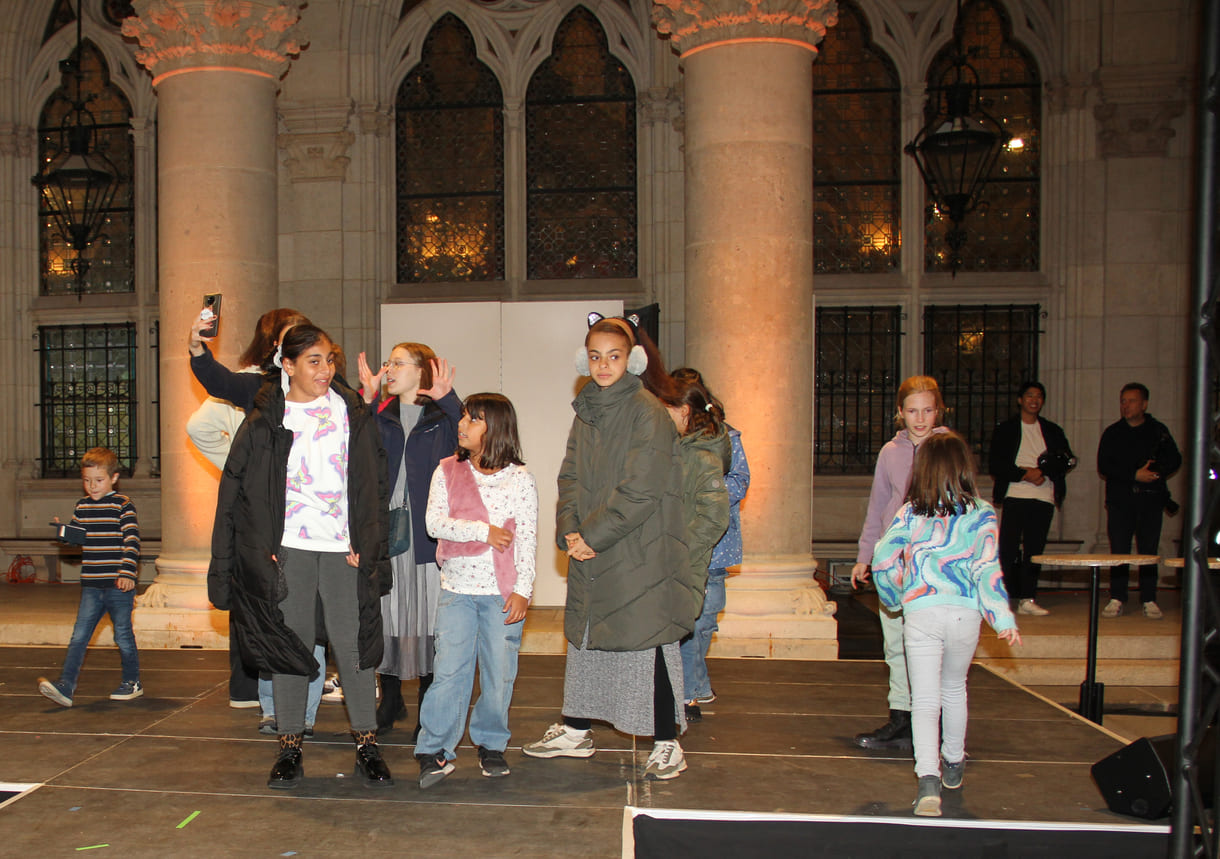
(371, 768)
(287, 771)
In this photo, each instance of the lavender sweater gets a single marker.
(891, 480)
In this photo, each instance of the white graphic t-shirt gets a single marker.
(316, 515)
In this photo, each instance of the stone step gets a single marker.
(1070, 672)
(1069, 646)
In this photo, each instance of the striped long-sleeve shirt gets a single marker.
(112, 540)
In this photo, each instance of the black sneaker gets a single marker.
(433, 769)
(694, 713)
(493, 763)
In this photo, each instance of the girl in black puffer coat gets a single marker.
(301, 521)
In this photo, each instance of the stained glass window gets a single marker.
(856, 152)
(581, 219)
(111, 257)
(1001, 235)
(450, 163)
(88, 394)
(856, 385)
(979, 355)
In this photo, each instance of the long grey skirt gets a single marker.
(617, 687)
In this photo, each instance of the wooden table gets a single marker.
(1179, 563)
(1092, 693)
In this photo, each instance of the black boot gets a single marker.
(894, 735)
(425, 680)
(391, 707)
(369, 765)
(288, 770)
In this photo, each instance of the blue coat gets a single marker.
(433, 438)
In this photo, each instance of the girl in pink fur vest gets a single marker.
(483, 511)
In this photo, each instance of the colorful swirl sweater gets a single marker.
(925, 561)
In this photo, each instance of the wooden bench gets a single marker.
(48, 554)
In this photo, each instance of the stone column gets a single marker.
(215, 67)
(749, 290)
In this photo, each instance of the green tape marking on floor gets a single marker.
(93, 847)
(191, 817)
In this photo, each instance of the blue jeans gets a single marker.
(95, 602)
(314, 697)
(694, 648)
(469, 627)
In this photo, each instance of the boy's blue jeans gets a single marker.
(470, 627)
(95, 602)
(694, 648)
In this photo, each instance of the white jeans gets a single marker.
(940, 644)
(895, 658)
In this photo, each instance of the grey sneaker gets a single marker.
(1152, 611)
(927, 803)
(951, 775)
(493, 763)
(1113, 609)
(559, 742)
(127, 690)
(266, 725)
(433, 769)
(666, 761)
(1031, 607)
(57, 691)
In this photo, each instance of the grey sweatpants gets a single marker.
(324, 574)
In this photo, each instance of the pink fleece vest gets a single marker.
(465, 502)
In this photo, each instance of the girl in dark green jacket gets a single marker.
(620, 521)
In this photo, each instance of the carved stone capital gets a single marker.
(695, 24)
(251, 35)
(17, 140)
(1136, 108)
(1070, 92)
(657, 105)
(317, 156)
(375, 119)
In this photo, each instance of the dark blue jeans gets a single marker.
(95, 602)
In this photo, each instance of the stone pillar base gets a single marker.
(175, 612)
(776, 609)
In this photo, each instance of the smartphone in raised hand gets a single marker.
(210, 313)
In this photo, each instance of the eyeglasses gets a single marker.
(398, 365)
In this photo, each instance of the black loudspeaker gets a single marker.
(1136, 780)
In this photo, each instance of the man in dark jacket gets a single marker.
(1135, 456)
(1030, 458)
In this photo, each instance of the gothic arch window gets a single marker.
(450, 163)
(857, 152)
(111, 257)
(581, 209)
(1003, 234)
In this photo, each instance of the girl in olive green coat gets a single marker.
(620, 521)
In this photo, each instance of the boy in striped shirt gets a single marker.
(109, 571)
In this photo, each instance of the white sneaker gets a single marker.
(1152, 611)
(1113, 609)
(666, 761)
(559, 741)
(332, 692)
(1031, 607)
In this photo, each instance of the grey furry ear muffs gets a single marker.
(637, 358)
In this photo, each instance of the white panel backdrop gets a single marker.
(524, 350)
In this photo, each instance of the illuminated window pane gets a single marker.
(450, 164)
(856, 152)
(979, 355)
(1003, 234)
(88, 394)
(111, 257)
(856, 386)
(580, 159)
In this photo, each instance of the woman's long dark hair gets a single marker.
(262, 345)
(501, 445)
(942, 479)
